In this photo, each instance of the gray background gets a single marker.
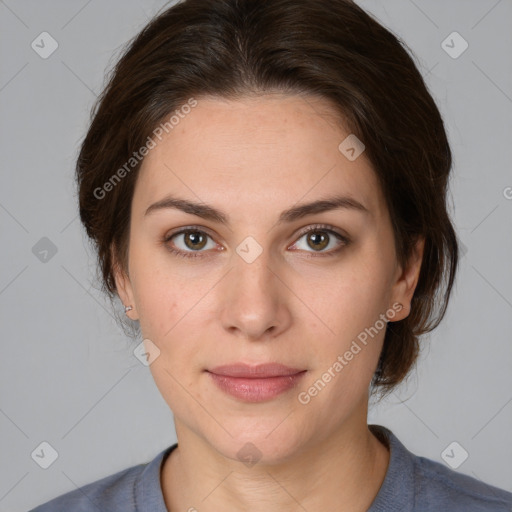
(68, 375)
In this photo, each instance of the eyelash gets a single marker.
(317, 227)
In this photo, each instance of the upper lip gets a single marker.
(265, 370)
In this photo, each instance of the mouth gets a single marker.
(258, 383)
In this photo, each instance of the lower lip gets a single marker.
(256, 390)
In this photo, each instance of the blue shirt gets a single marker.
(411, 484)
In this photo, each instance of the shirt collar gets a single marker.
(397, 490)
(148, 495)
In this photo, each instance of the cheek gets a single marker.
(168, 304)
(351, 299)
(351, 306)
(158, 301)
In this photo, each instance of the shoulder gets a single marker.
(440, 487)
(419, 484)
(124, 491)
(105, 494)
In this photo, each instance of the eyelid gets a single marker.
(188, 254)
(324, 227)
(183, 229)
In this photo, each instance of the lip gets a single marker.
(255, 383)
(255, 371)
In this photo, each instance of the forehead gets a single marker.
(256, 153)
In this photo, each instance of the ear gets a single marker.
(124, 286)
(407, 279)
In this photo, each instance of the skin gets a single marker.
(252, 159)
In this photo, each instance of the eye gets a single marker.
(319, 237)
(192, 241)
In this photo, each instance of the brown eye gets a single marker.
(189, 243)
(317, 240)
(194, 240)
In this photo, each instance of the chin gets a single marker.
(262, 443)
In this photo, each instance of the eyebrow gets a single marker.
(208, 212)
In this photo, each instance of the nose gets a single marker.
(254, 299)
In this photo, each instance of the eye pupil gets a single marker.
(195, 237)
(319, 241)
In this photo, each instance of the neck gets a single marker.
(342, 472)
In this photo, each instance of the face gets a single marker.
(235, 280)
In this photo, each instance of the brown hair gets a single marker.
(327, 48)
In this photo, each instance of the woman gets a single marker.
(265, 183)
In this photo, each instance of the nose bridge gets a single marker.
(251, 273)
(251, 299)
